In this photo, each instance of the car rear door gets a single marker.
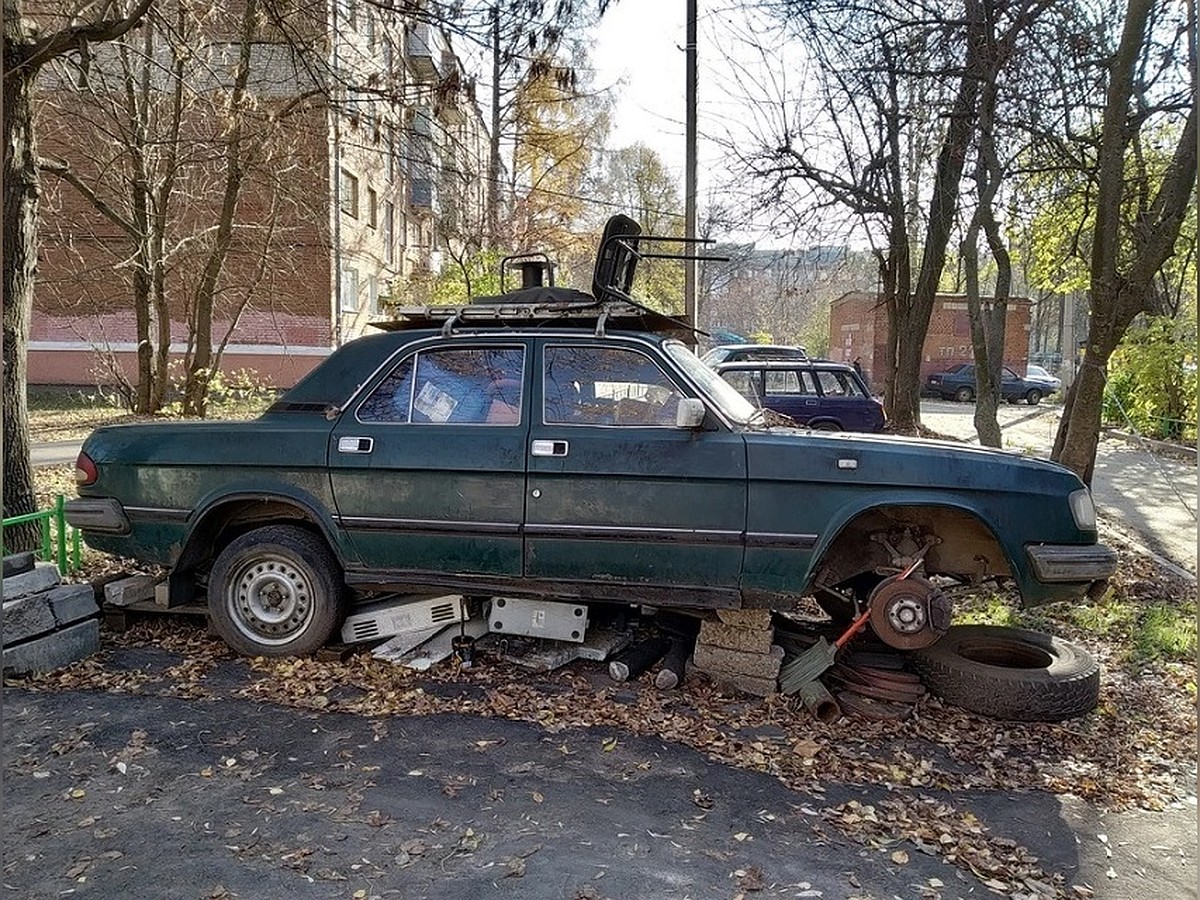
(428, 470)
(792, 392)
(618, 497)
(845, 401)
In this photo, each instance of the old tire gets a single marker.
(964, 395)
(1010, 673)
(1033, 397)
(276, 591)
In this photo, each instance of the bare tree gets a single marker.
(27, 49)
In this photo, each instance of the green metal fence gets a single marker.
(59, 542)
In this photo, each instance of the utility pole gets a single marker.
(689, 177)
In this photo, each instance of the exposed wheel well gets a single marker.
(231, 518)
(960, 544)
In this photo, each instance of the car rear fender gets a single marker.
(223, 518)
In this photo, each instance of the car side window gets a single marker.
(605, 386)
(833, 384)
(782, 382)
(744, 383)
(480, 386)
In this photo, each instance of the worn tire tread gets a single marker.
(1069, 687)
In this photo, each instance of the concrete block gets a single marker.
(41, 577)
(18, 563)
(745, 618)
(25, 618)
(130, 590)
(748, 640)
(759, 687)
(55, 650)
(717, 661)
(72, 602)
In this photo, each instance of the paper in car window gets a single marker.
(434, 403)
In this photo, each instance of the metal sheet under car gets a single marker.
(538, 618)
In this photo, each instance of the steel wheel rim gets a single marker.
(270, 600)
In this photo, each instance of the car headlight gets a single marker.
(1083, 509)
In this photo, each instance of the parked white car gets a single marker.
(1040, 375)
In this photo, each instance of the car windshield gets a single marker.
(731, 403)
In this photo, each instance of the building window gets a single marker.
(370, 29)
(348, 10)
(349, 288)
(373, 292)
(389, 234)
(348, 190)
(391, 153)
(372, 208)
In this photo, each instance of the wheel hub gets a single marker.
(271, 600)
(909, 613)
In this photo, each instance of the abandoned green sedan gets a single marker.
(561, 447)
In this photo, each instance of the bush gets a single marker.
(1151, 388)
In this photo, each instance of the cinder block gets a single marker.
(759, 687)
(41, 577)
(55, 650)
(748, 640)
(745, 618)
(718, 661)
(130, 590)
(18, 563)
(72, 602)
(25, 618)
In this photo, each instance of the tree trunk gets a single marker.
(943, 209)
(20, 269)
(1123, 265)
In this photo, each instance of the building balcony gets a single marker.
(425, 53)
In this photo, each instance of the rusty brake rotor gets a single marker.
(909, 613)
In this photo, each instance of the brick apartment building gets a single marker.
(858, 328)
(353, 205)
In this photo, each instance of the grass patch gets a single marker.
(1163, 633)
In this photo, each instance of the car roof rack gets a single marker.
(543, 307)
(539, 304)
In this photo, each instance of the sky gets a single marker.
(638, 47)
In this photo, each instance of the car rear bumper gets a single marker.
(103, 514)
(1063, 563)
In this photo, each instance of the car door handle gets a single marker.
(356, 444)
(548, 448)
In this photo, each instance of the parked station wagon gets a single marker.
(817, 393)
(561, 445)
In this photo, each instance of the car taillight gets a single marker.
(85, 470)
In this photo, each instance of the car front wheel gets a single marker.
(276, 591)
(964, 395)
(1033, 397)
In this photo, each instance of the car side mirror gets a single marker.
(689, 413)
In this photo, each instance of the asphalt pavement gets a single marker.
(169, 794)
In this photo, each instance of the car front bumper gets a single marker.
(1071, 563)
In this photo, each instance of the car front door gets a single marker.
(618, 497)
(428, 470)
